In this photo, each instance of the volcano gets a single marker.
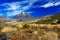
(23, 16)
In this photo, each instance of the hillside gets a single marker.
(51, 19)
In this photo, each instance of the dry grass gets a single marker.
(32, 31)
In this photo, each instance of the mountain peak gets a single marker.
(23, 13)
(23, 16)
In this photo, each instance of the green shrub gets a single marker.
(25, 26)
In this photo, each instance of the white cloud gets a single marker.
(50, 4)
(17, 7)
(57, 3)
(13, 13)
(12, 6)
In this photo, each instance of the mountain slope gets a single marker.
(51, 19)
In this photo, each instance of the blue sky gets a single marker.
(36, 8)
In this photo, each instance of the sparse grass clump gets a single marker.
(26, 26)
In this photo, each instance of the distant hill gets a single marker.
(6, 19)
(3, 18)
(51, 19)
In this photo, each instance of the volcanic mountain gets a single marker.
(23, 16)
